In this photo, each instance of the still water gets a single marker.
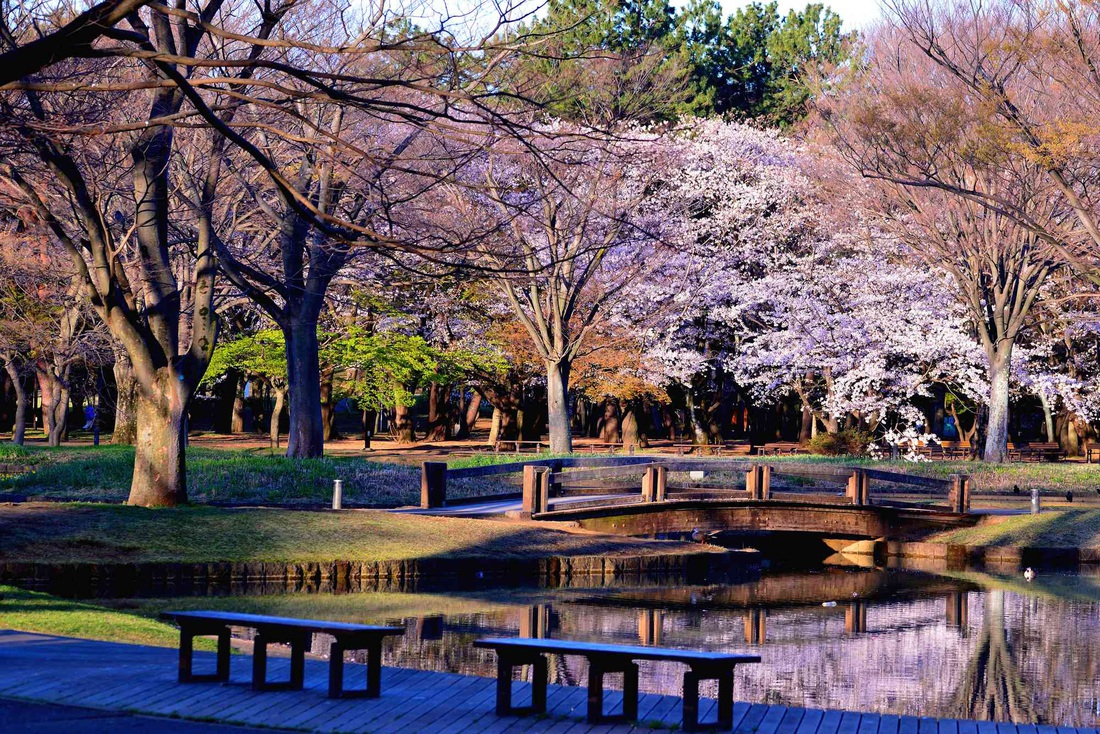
(967, 645)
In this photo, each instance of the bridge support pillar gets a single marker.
(859, 488)
(433, 484)
(758, 482)
(535, 622)
(957, 609)
(959, 496)
(536, 489)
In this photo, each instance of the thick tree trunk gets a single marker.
(473, 408)
(557, 406)
(403, 428)
(19, 427)
(125, 431)
(438, 423)
(609, 423)
(328, 406)
(276, 415)
(160, 476)
(807, 430)
(60, 421)
(996, 437)
(236, 420)
(305, 438)
(494, 427)
(1048, 417)
(630, 431)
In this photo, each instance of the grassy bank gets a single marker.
(31, 611)
(1056, 529)
(110, 533)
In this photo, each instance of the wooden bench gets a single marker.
(780, 448)
(297, 633)
(1091, 450)
(604, 659)
(731, 448)
(519, 447)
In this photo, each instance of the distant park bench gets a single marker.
(1038, 451)
(298, 633)
(1092, 451)
(726, 448)
(604, 659)
(780, 448)
(519, 447)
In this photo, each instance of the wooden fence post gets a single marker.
(959, 496)
(433, 484)
(536, 489)
(764, 482)
(750, 482)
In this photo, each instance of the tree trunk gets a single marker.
(631, 434)
(473, 408)
(807, 430)
(609, 423)
(403, 428)
(125, 431)
(305, 438)
(60, 406)
(1048, 417)
(276, 414)
(438, 428)
(494, 427)
(160, 475)
(996, 437)
(236, 421)
(557, 406)
(328, 406)
(19, 427)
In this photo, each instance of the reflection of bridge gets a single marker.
(661, 496)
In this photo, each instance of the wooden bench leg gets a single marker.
(259, 663)
(691, 700)
(374, 670)
(505, 665)
(187, 655)
(298, 662)
(336, 671)
(597, 670)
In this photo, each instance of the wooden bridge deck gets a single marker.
(142, 679)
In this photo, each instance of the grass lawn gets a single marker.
(117, 533)
(102, 473)
(31, 611)
(1055, 529)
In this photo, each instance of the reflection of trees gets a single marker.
(992, 687)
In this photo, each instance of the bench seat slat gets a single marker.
(264, 621)
(595, 649)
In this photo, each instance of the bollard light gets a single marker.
(337, 494)
(1035, 504)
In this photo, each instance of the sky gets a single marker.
(856, 13)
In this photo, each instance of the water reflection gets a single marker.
(967, 646)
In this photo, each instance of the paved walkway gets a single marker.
(114, 677)
(24, 717)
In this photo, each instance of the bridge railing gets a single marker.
(616, 480)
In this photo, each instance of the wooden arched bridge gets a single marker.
(668, 496)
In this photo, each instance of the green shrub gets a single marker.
(848, 442)
(11, 451)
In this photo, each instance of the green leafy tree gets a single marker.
(261, 357)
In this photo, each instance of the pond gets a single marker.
(963, 645)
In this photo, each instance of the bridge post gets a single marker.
(433, 484)
(957, 612)
(959, 496)
(756, 626)
(758, 482)
(855, 618)
(859, 491)
(661, 488)
(649, 484)
(536, 489)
